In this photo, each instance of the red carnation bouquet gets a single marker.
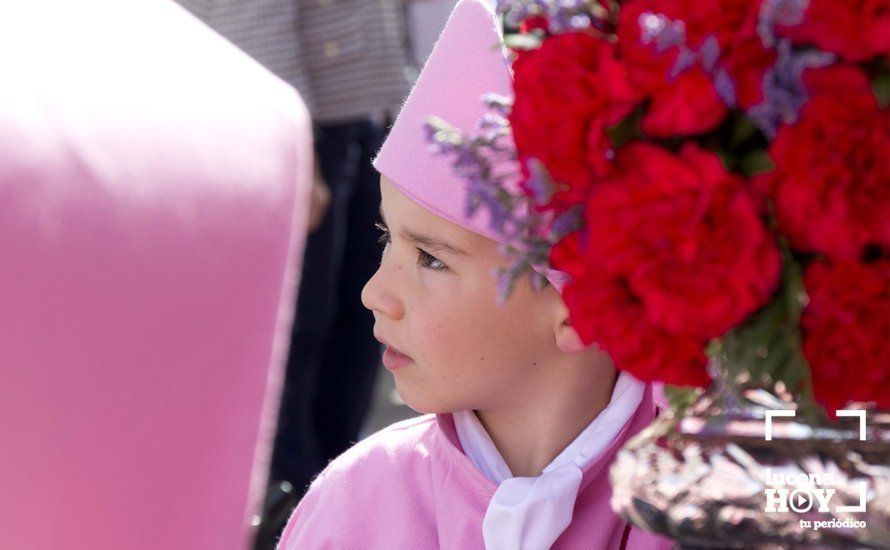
(714, 176)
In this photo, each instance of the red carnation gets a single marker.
(605, 312)
(674, 250)
(686, 236)
(692, 58)
(831, 185)
(857, 30)
(846, 328)
(568, 92)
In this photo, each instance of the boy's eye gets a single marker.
(429, 261)
(424, 259)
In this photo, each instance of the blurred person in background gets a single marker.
(351, 62)
(426, 18)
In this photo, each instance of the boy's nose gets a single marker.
(378, 296)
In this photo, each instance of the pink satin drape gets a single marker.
(153, 199)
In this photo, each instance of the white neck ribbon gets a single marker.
(529, 513)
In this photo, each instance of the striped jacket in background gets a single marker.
(348, 58)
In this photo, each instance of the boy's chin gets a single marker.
(421, 404)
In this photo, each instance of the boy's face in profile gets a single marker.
(433, 300)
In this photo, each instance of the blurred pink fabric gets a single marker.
(153, 200)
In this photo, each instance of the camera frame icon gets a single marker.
(800, 500)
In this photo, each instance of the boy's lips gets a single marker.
(392, 358)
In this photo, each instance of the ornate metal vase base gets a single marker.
(708, 477)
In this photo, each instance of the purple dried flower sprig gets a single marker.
(784, 92)
(659, 29)
(486, 159)
(666, 33)
(775, 13)
(562, 15)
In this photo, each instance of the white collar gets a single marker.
(532, 512)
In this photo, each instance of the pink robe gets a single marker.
(411, 486)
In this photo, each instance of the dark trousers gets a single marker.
(334, 357)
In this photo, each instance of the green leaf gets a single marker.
(756, 162)
(742, 131)
(727, 158)
(680, 397)
(627, 130)
(767, 347)
(881, 87)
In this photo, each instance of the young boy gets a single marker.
(524, 420)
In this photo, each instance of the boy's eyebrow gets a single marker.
(432, 243)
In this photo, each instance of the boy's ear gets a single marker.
(567, 339)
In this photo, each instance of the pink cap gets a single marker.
(469, 60)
